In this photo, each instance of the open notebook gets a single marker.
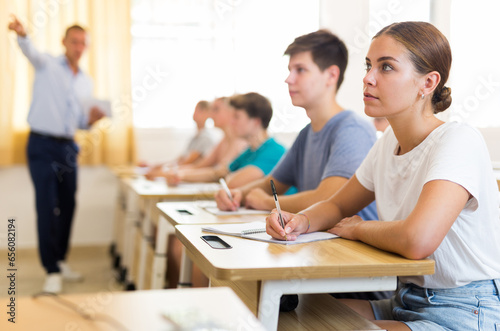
(211, 207)
(240, 211)
(257, 231)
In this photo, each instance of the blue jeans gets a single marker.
(53, 169)
(475, 306)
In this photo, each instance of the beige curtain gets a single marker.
(107, 60)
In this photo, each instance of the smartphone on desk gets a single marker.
(216, 242)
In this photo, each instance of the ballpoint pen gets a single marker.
(224, 186)
(273, 188)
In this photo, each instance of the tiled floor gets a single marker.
(93, 262)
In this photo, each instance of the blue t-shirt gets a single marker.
(265, 157)
(336, 150)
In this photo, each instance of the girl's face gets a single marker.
(391, 84)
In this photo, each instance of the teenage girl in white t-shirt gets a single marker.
(435, 188)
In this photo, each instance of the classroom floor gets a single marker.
(93, 262)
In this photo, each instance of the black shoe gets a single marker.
(289, 302)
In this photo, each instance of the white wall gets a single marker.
(156, 145)
(349, 20)
(93, 222)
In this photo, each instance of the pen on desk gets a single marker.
(224, 186)
(273, 188)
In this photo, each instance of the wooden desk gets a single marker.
(122, 212)
(139, 310)
(260, 272)
(186, 212)
(138, 225)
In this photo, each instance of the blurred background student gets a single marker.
(252, 113)
(200, 144)
(222, 154)
(380, 123)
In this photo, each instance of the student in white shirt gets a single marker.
(436, 192)
(200, 145)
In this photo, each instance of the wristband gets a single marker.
(308, 221)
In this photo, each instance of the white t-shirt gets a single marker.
(455, 152)
(203, 142)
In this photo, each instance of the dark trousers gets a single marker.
(53, 168)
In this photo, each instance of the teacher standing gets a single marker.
(56, 112)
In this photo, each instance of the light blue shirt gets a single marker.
(58, 94)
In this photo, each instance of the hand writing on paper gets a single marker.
(173, 177)
(225, 203)
(295, 224)
(156, 171)
(346, 227)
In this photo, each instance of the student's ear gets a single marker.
(333, 72)
(258, 122)
(430, 82)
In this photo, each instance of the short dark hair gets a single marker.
(255, 105)
(326, 49)
(74, 27)
(203, 104)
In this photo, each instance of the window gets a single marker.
(184, 51)
(475, 77)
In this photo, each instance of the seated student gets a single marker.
(200, 144)
(436, 192)
(252, 114)
(329, 149)
(381, 125)
(224, 152)
(326, 152)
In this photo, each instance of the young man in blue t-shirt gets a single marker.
(327, 151)
(252, 114)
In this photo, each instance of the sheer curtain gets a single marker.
(107, 60)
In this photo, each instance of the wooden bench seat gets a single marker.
(322, 312)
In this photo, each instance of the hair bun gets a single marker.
(441, 99)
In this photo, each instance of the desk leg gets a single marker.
(186, 271)
(269, 304)
(160, 258)
(146, 226)
(119, 220)
(272, 290)
(129, 232)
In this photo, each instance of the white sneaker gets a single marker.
(68, 273)
(53, 283)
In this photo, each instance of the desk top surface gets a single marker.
(139, 310)
(255, 260)
(159, 189)
(193, 212)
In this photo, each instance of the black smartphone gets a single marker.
(216, 242)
